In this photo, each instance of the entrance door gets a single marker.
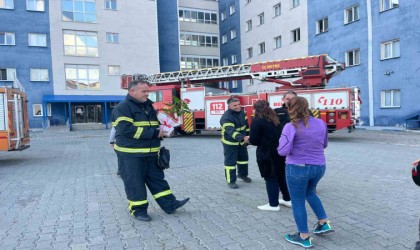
(91, 113)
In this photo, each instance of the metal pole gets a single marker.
(370, 63)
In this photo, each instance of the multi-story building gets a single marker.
(272, 31)
(94, 42)
(25, 51)
(188, 34)
(378, 41)
(230, 39)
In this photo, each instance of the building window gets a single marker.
(250, 52)
(351, 14)
(194, 62)
(232, 9)
(37, 40)
(195, 16)
(82, 77)
(7, 38)
(111, 4)
(262, 47)
(223, 15)
(248, 25)
(352, 57)
(83, 11)
(35, 5)
(322, 25)
(277, 42)
(295, 3)
(233, 34)
(390, 49)
(37, 110)
(296, 35)
(261, 19)
(234, 59)
(112, 37)
(388, 4)
(80, 43)
(194, 39)
(277, 9)
(234, 84)
(114, 70)
(224, 39)
(7, 74)
(225, 61)
(7, 4)
(391, 98)
(39, 75)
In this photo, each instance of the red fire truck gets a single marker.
(14, 128)
(307, 76)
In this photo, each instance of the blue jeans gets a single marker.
(302, 181)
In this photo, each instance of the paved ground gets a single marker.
(63, 193)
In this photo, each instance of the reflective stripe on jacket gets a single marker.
(234, 127)
(136, 127)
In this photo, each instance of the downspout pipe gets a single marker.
(370, 63)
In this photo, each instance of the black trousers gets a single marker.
(276, 179)
(139, 172)
(235, 156)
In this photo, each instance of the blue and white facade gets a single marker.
(378, 41)
(25, 51)
(188, 34)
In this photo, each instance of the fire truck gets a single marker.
(339, 108)
(14, 127)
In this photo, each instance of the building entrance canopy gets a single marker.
(70, 100)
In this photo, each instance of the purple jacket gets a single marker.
(304, 145)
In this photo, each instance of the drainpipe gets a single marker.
(370, 63)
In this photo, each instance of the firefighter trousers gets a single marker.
(139, 172)
(236, 157)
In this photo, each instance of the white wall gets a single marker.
(137, 51)
(290, 19)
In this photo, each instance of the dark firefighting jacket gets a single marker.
(137, 128)
(234, 127)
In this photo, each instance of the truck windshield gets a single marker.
(155, 96)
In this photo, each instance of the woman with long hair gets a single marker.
(303, 141)
(265, 133)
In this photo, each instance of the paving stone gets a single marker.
(359, 199)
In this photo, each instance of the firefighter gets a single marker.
(282, 112)
(137, 144)
(235, 138)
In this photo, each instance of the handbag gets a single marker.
(163, 158)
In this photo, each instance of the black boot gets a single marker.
(143, 217)
(178, 205)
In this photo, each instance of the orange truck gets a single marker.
(14, 127)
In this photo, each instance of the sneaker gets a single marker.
(143, 217)
(245, 179)
(233, 185)
(267, 207)
(297, 240)
(285, 203)
(322, 229)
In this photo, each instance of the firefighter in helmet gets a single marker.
(235, 138)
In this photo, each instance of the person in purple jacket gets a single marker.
(303, 141)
